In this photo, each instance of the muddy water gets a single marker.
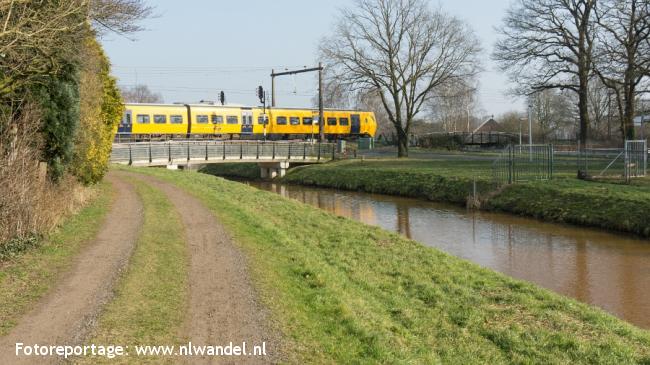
(607, 270)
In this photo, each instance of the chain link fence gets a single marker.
(619, 164)
(517, 163)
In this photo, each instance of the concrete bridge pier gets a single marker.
(271, 170)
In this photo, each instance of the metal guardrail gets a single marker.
(150, 153)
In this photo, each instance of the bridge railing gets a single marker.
(188, 152)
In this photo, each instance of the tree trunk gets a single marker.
(628, 121)
(402, 143)
(583, 110)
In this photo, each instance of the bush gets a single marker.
(100, 110)
(58, 98)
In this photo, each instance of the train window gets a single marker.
(262, 120)
(202, 119)
(160, 119)
(331, 121)
(344, 121)
(217, 119)
(294, 120)
(281, 121)
(142, 119)
(307, 120)
(176, 119)
(232, 119)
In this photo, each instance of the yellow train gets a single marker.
(171, 121)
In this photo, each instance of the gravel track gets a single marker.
(222, 306)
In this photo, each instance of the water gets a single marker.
(611, 271)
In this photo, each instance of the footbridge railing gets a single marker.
(193, 152)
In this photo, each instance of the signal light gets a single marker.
(260, 94)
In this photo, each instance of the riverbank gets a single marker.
(341, 291)
(623, 208)
(616, 207)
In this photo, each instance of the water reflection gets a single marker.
(607, 270)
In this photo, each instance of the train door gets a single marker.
(126, 125)
(246, 122)
(355, 127)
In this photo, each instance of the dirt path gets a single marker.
(222, 305)
(66, 314)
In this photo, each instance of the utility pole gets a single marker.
(321, 122)
(530, 131)
(321, 125)
(272, 88)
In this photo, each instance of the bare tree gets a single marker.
(402, 49)
(119, 16)
(600, 105)
(140, 94)
(622, 61)
(552, 112)
(36, 39)
(548, 44)
(453, 104)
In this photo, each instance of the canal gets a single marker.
(611, 271)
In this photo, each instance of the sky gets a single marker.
(193, 49)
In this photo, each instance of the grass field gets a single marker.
(344, 292)
(150, 298)
(26, 278)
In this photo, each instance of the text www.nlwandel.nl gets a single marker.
(114, 351)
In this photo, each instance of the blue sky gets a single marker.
(195, 48)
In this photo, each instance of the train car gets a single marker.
(197, 121)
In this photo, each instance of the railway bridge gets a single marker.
(273, 158)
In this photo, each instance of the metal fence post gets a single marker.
(130, 156)
(241, 151)
(169, 152)
(551, 161)
(273, 155)
(304, 151)
(318, 151)
(150, 159)
(188, 151)
(206, 151)
(645, 157)
(224, 149)
(257, 147)
(510, 164)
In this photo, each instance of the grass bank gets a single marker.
(26, 277)
(618, 207)
(150, 299)
(249, 171)
(344, 292)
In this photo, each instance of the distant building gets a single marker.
(489, 125)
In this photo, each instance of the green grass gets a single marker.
(237, 170)
(344, 292)
(150, 300)
(611, 206)
(25, 278)
(605, 205)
